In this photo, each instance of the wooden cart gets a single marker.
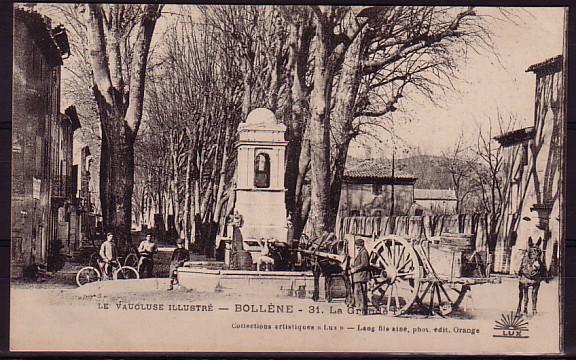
(433, 275)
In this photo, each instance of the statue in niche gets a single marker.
(262, 171)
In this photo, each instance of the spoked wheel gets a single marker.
(131, 260)
(126, 273)
(87, 275)
(395, 275)
(440, 298)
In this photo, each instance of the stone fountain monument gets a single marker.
(260, 177)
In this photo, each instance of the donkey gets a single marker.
(532, 272)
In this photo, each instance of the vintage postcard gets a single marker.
(311, 178)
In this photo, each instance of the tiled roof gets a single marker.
(515, 136)
(434, 194)
(375, 169)
(52, 47)
(553, 64)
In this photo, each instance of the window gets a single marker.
(262, 171)
(376, 189)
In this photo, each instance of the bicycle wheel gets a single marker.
(126, 273)
(131, 260)
(87, 275)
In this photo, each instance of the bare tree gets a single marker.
(489, 173)
(387, 52)
(194, 110)
(342, 68)
(458, 164)
(119, 39)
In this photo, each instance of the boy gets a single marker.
(179, 257)
(108, 255)
(147, 249)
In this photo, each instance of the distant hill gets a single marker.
(429, 169)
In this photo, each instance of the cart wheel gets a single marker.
(441, 298)
(395, 275)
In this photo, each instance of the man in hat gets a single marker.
(147, 249)
(108, 255)
(179, 257)
(360, 271)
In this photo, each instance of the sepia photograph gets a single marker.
(288, 179)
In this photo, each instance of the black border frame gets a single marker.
(569, 265)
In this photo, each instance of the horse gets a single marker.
(328, 267)
(532, 272)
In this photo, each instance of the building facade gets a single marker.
(371, 189)
(533, 166)
(84, 215)
(434, 202)
(40, 137)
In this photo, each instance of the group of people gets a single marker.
(360, 269)
(146, 250)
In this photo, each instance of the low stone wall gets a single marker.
(276, 283)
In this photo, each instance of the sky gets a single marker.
(487, 85)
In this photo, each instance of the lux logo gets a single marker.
(511, 326)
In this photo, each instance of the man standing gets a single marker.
(108, 254)
(147, 249)
(360, 276)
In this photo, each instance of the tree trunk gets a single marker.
(320, 128)
(187, 194)
(297, 153)
(247, 95)
(222, 175)
(344, 102)
(120, 115)
(103, 182)
(302, 190)
(174, 181)
(118, 181)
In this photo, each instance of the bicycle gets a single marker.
(89, 274)
(132, 258)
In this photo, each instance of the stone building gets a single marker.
(369, 187)
(434, 202)
(39, 134)
(84, 214)
(533, 166)
(63, 186)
